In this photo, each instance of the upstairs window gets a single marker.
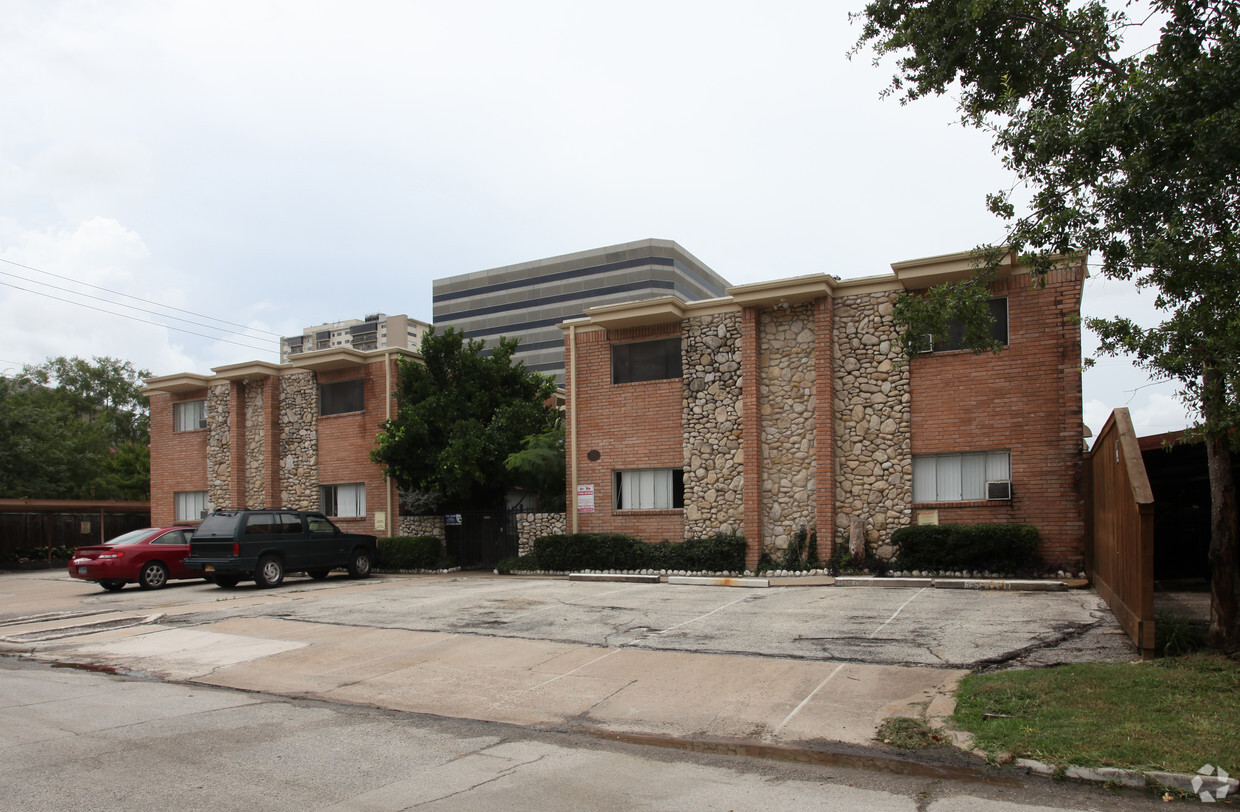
(645, 360)
(954, 340)
(650, 489)
(342, 397)
(189, 416)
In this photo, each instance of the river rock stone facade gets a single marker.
(714, 456)
(535, 525)
(421, 526)
(255, 468)
(299, 441)
(787, 407)
(219, 463)
(874, 463)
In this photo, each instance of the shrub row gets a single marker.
(412, 553)
(986, 547)
(614, 551)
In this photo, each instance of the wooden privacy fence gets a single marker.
(1119, 510)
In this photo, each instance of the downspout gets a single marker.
(387, 415)
(571, 502)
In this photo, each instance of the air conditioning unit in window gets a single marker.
(926, 344)
(202, 422)
(998, 490)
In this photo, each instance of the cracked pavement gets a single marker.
(785, 666)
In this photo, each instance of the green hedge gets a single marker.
(614, 551)
(1004, 548)
(412, 553)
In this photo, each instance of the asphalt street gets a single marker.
(79, 740)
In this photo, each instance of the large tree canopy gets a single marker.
(460, 414)
(1128, 154)
(75, 429)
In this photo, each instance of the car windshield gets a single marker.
(132, 537)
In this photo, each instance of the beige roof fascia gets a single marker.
(783, 291)
(345, 357)
(918, 274)
(636, 314)
(246, 369)
(175, 384)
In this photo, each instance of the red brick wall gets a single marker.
(631, 425)
(1026, 399)
(345, 442)
(178, 458)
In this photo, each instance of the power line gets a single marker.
(131, 307)
(135, 318)
(129, 296)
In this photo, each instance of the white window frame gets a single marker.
(959, 477)
(189, 415)
(645, 489)
(189, 506)
(343, 501)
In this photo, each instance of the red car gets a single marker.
(150, 557)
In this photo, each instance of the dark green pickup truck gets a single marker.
(234, 545)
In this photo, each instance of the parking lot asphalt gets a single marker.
(789, 666)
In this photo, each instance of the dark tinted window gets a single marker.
(341, 397)
(218, 525)
(261, 524)
(998, 330)
(290, 523)
(645, 360)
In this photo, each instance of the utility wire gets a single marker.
(131, 307)
(128, 296)
(135, 318)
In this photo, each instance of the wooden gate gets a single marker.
(1119, 515)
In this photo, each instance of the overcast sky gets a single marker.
(282, 163)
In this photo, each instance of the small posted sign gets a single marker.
(585, 498)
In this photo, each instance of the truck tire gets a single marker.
(270, 571)
(360, 562)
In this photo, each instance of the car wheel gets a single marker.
(270, 571)
(318, 575)
(112, 586)
(226, 581)
(154, 575)
(359, 564)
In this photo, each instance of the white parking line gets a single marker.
(804, 702)
(898, 611)
(696, 619)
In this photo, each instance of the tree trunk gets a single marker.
(1224, 527)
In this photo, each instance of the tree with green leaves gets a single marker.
(75, 429)
(541, 466)
(460, 414)
(1129, 155)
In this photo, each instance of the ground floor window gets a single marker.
(343, 500)
(650, 489)
(190, 506)
(962, 477)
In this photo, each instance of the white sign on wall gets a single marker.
(585, 498)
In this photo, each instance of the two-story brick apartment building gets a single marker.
(787, 404)
(290, 435)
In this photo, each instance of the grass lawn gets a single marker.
(1174, 714)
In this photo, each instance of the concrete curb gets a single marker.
(759, 582)
(696, 580)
